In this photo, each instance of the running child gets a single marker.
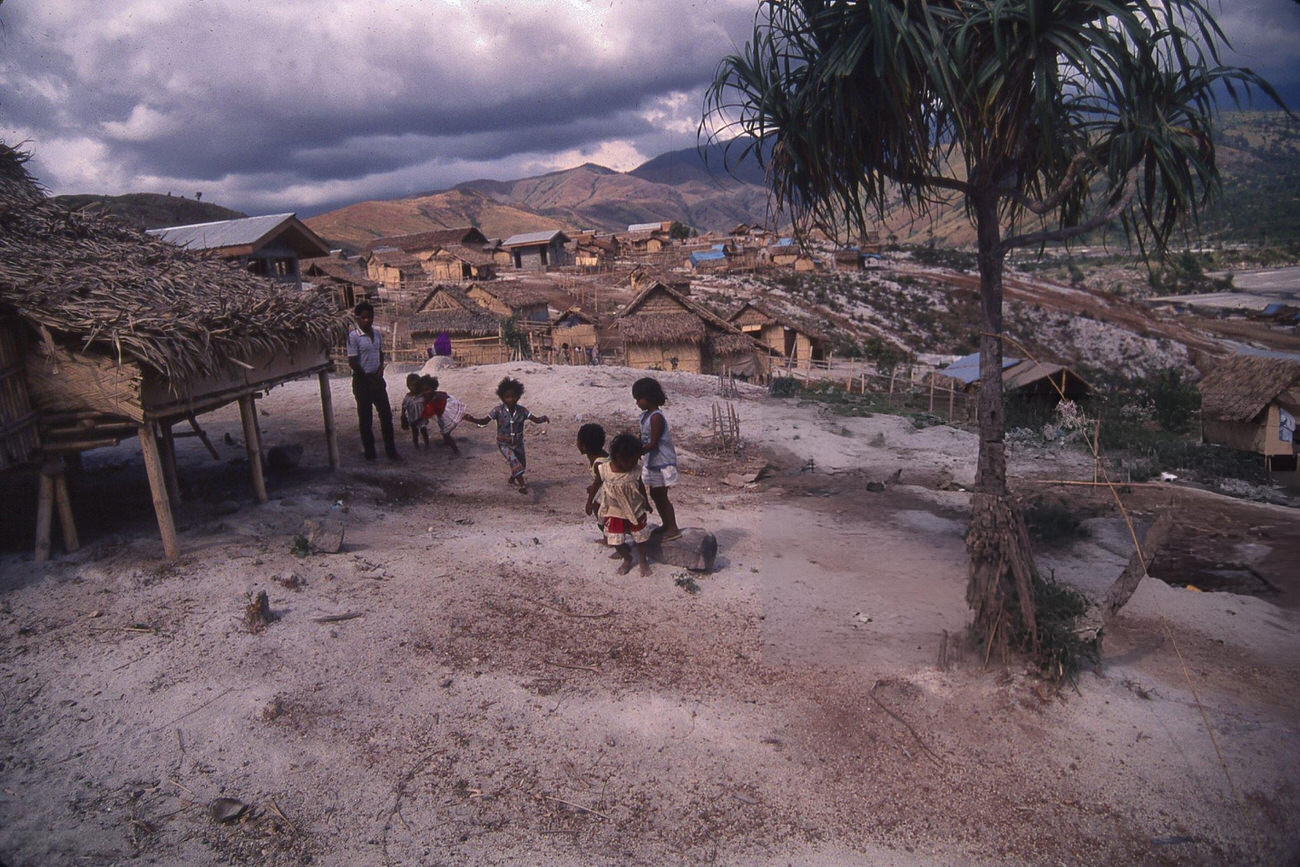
(510, 418)
(413, 410)
(623, 508)
(660, 470)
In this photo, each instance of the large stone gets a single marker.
(695, 550)
(324, 536)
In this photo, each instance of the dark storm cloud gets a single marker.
(292, 105)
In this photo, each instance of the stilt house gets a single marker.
(125, 335)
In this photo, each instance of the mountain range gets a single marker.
(1258, 157)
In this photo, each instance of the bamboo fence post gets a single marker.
(932, 392)
(44, 516)
(327, 411)
(848, 383)
(952, 396)
(67, 522)
(892, 374)
(162, 507)
(253, 445)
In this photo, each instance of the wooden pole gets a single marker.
(64, 503)
(167, 448)
(162, 507)
(44, 516)
(952, 396)
(327, 410)
(253, 444)
(932, 392)
(198, 432)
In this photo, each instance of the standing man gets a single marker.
(366, 358)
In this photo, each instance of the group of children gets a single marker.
(635, 472)
(423, 403)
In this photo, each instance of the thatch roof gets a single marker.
(693, 324)
(468, 255)
(516, 294)
(431, 240)
(454, 322)
(1240, 387)
(98, 286)
(452, 293)
(337, 268)
(783, 313)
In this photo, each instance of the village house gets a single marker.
(787, 331)
(125, 335)
(474, 332)
(576, 331)
(397, 272)
(537, 251)
(647, 237)
(662, 329)
(1251, 403)
(1026, 380)
(342, 278)
(268, 246)
(595, 253)
(458, 262)
(432, 241)
(785, 253)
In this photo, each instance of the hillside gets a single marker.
(151, 210)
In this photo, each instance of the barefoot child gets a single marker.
(660, 472)
(623, 508)
(443, 407)
(510, 418)
(413, 410)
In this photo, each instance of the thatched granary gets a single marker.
(123, 334)
(1251, 402)
(661, 329)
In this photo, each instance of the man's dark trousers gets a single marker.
(371, 393)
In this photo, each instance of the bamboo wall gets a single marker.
(18, 440)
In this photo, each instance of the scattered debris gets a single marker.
(290, 580)
(339, 618)
(685, 581)
(324, 536)
(226, 810)
(257, 613)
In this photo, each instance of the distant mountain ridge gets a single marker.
(713, 189)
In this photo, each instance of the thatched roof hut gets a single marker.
(1251, 402)
(124, 333)
(783, 328)
(474, 332)
(663, 329)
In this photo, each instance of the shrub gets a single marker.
(783, 386)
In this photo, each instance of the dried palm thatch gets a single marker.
(663, 328)
(97, 286)
(1240, 387)
(454, 322)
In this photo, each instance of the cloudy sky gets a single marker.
(305, 105)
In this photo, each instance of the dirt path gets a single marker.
(504, 697)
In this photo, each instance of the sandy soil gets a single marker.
(504, 697)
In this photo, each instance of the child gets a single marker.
(660, 472)
(591, 445)
(442, 406)
(623, 508)
(413, 408)
(510, 418)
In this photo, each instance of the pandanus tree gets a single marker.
(1047, 119)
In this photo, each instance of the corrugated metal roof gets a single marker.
(528, 238)
(645, 227)
(223, 233)
(707, 256)
(967, 369)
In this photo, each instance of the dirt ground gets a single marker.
(490, 691)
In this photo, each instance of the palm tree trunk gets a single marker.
(1001, 586)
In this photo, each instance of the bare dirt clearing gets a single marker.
(503, 697)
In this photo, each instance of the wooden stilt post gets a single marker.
(253, 443)
(44, 516)
(162, 507)
(327, 410)
(167, 449)
(198, 432)
(64, 503)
